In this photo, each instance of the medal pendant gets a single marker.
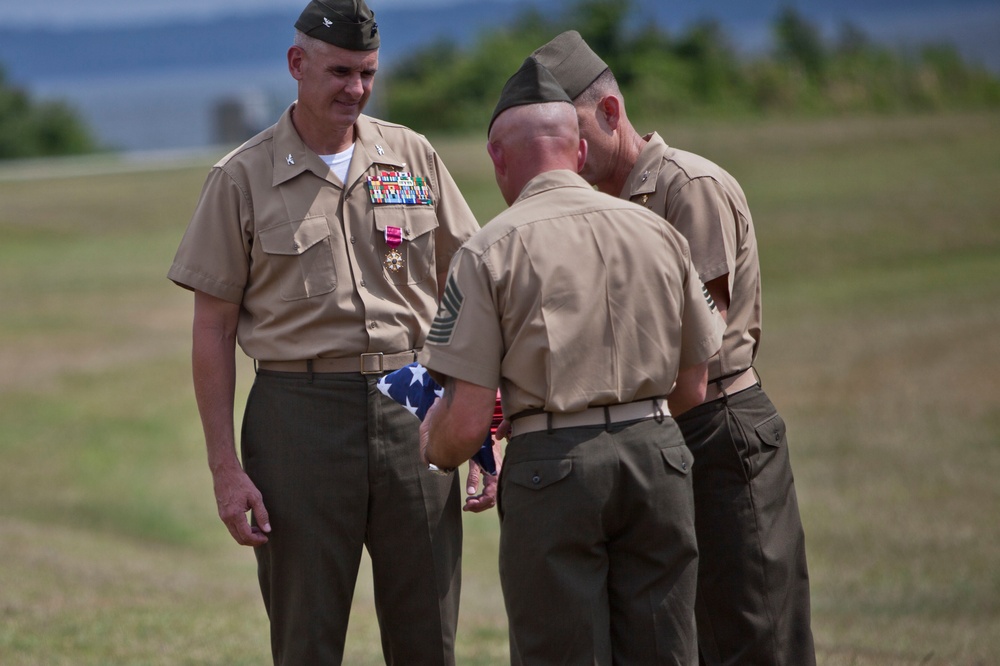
(394, 261)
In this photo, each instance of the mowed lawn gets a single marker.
(880, 245)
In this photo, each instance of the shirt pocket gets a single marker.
(300, 257)
(417, 224)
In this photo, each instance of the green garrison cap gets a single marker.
(349, 24)
(531, 84)
(571, 61)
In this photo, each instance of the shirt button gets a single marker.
(352, 240)
(362, 283)
(372, 325)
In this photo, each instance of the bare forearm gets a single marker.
(457, 424)
(214, 371)
(452, 443)
(689, 391)
(214, 388)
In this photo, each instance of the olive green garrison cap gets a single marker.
(349, 24)
(571, 61)
(532, 83)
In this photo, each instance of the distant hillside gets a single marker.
(45, 54)
(244, 41)
(161, 86)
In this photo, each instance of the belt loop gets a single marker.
(658, 410)
(548, 423)
(309, 369)
(722, 390)
(607, 418)
(255, 368)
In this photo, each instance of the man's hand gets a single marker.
(235, 494)
(488, 498)
(425, 433)
(503, 430)
(214, 370)
(456, 425)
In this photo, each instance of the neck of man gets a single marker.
(630, 145)
(321, 140)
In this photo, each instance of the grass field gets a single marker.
(880, 245)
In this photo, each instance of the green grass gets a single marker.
(880, 243)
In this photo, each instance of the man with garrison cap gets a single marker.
(597, 547)
(320, 246)
(753, 583)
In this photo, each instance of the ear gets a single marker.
(581, 155)
(495, 151)
(295, 58)
(611, 111)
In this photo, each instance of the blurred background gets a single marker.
(190, 73)
(866, 135)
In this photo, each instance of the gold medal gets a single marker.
(394, 260)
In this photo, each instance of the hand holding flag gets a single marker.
(414, 388)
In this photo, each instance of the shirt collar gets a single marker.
(549, 180)
(371, 148)
(642, 178)
(292, 157)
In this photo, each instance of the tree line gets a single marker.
(29, 128)
(697, 73)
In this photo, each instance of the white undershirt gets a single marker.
(339, 163)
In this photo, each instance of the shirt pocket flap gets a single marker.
(679, 458)
(292, 238)
(413, 221)
(771, 431)
(537, 474)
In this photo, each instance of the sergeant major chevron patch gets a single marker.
(447, 314)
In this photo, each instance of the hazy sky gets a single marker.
(67, 13)
(973, 25)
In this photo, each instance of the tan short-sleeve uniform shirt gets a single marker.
(305, 254)
(572, 298)
(707, 205)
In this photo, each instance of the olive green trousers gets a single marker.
(339, 469)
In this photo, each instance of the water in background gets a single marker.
(176, 109)
(171, 103)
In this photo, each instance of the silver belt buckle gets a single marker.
(369, 355)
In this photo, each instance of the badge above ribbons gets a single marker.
(414, 388)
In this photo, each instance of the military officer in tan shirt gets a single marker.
(319, 246)
(587, 313)
(753, 583)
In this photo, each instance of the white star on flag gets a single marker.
(408, 407)
(413, 388)
(419, 373)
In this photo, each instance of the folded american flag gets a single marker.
(414, 388)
